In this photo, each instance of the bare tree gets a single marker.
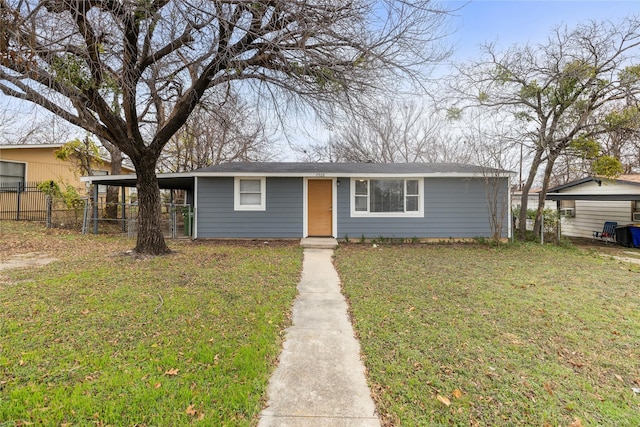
(622, 139)
(16, 128)
(218, 131)
(551, 93)
(498, 158)
(133, 72)
(391, 132)
(611, 153)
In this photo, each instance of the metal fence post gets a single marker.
(85, 215)
(95, 209)
(18, 197)
(49, 204)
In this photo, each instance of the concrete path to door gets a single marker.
(320, 379)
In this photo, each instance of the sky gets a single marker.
(507, 22)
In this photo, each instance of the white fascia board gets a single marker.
(101, 178)
(27, 146)
(92, 178)
(350, 175)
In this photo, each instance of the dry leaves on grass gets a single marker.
(443, 400)
(193, 412)
(577, 422)
(172, 372)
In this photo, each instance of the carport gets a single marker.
(168, 181)
(560, 193)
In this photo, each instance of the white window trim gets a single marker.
(417, 214)
(236, 194)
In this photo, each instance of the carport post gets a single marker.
(559, 223)
(95, 209)
(124, 208)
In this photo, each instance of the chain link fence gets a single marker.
(122, 218)
(26, 202)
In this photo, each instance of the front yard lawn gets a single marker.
(474, 335)
(106, 339)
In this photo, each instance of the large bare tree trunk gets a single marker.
(537, 226)
(522, 218)
(111, 210)
(124, 69)
(150, 237)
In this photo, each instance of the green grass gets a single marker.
(508, 335)
(102, 338)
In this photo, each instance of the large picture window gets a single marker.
(250, 194)
(12, 176)
(387, 197)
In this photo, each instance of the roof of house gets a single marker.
(301, 168)
(559, 192)
(184, 180)
(53, 146)
(27, 146)
(633, 179)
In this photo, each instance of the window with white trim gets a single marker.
(387, 197)
(12, 176)
(249, 194)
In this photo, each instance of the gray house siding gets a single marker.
(453, 207)
(216, 217)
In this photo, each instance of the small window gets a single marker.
(250, 194)
(12, 176)
(361, 195)
(635, 210)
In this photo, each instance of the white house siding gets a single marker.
(532, 202)
(591, 216)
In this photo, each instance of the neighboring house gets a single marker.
(586, 204)
(532, 201)
(22, 167)
(294, 200)
(31, 163)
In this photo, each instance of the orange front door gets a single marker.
(320, 207)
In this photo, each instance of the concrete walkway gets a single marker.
(320, 379)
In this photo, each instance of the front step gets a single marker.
(319, 243)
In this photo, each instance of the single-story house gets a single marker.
(23, 166)
(29, 163)
(342, 200)
(586, 204)
(533, 200)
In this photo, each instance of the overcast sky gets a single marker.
(514, 21)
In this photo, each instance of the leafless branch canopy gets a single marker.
(132, 71)
(391, 132)
(554, 93)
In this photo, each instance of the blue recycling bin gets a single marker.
(635, 236)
